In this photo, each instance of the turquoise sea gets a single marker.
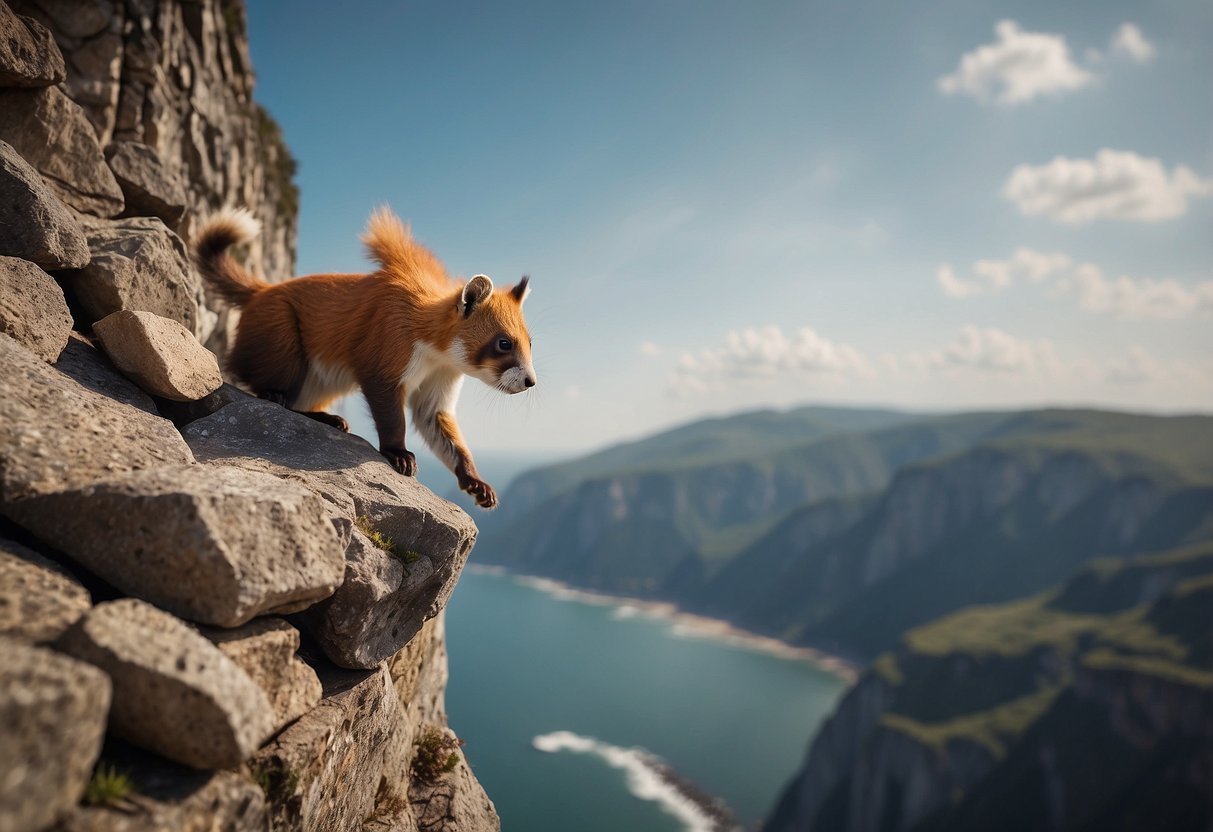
(604, 687)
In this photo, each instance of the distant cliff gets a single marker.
(849, 537)
(214, 613)
(1088, 708)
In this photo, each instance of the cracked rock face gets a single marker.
(137, 264)
(32, 309)
(265, 649)
(53, 134)
(175, 693)
(28, 54)
(38, 598)
(34, 224)
(385, 596)
(160, 355)
(212, 544)
(52, 720)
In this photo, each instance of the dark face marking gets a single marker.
(499, 351)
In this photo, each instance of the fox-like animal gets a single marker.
(406, 333)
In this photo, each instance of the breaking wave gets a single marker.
(649, 778)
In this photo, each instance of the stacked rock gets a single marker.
(232, 606)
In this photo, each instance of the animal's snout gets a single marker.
(529, 381)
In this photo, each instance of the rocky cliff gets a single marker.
(1090, 707)
(214, 613)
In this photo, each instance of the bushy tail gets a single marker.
(389, 243)
(225, 276)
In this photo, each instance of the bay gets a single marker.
(595, 682)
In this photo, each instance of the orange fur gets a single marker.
(403, 333)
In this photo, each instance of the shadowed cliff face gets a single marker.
(214, 613)
(1088, 708)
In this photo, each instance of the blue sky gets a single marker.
(726, 205)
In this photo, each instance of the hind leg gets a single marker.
(268, 355)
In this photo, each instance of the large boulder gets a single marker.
(53, 134)
(52, 720)
(38, 598)
(266, 649)
(34, 224)
(175, 693)
(28, 54)
(137, 264)
(150, 188)
(32, 308)
(57, 434)
(160, 355)
(212, 544)
(389, 592)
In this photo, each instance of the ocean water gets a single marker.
(572, 710)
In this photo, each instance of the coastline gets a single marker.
(683, 624)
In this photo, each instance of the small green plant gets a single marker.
(437, 753)
(108, 786)
(384, 542)
(276, 780)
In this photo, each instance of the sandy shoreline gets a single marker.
(683, 624)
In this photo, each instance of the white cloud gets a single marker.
(1127, 297)
(1024, 264)
(1123, 297)
(1115, 185)
(991, 350)
(953, 286)
(764, 354)
(1129, 42)
(648, 348)
(1016, 68)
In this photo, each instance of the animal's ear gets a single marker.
(475, 292)
(522, 289)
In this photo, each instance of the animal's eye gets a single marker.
(505, 345)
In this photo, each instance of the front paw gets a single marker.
(402, 460)
(485, 496)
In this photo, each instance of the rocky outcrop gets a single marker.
(175, 693)
(218, 719)
(34, 224)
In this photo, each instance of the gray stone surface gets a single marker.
(57, 434)
(52, 720)
(89, 366)
(150, 188)
(34, 224)
(182, 413)
(175, 693)
(266, 649)
(327, 769)
(159, 354)
(212, 544)
(28, 54)
(386, 597)
(32, 308)
(53, 134)
(38, 598)
(137, 264)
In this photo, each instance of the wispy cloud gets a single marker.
(1115, 185)
(758, 355)
(1124, 297)
(1129, 42)
(986, 350)
(1018, 67)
